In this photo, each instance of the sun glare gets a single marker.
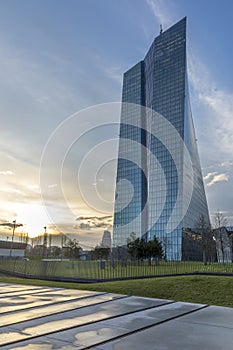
(33, 217)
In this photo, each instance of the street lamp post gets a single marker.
(13, 234)
(45, 242)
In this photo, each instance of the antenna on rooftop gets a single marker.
(161, 29)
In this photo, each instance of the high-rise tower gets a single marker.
(153, 180)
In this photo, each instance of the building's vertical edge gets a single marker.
(165, 86)
(131, 179)
(198, 205)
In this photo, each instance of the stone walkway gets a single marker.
(42, 318)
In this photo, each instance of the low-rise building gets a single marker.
(12, 249)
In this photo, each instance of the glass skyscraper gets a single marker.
(158, 160)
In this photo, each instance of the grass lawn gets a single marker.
(212, 290)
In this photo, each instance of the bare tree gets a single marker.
(220, 219)
(220, 222)
(206, 238)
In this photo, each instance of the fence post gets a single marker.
(14, 265)
(44, 268)
(25, 267)
(102, 264)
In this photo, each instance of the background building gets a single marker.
(12, 250)
(106, 240)
(160, 83)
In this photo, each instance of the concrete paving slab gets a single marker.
(213, 316)
(154, 315)
(41, 344)
(5, 288)
(13, 303)
(81, 341)
(86, 336)
(35, 313)
(74, 318)
(26, 292)
(109, 321)
(175, 335)
(90, 335)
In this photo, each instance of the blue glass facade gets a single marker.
(151, 179)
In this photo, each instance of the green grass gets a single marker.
(212, 290)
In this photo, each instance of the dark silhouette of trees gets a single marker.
(56, 252)
(100, 252)
(133, 245)
(154, 249)
(138, 248)
(72, 249)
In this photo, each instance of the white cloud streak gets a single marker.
(216, 178)
(52, 186)
(33, 187)
(209, 175)
(225, 164)
(219, 102)
(6, 173)
(160, 12)
(114, 73)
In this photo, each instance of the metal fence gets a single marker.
(103, 270)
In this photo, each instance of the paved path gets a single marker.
(42, 318)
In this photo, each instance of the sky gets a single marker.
(60, 57)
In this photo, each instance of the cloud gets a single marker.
(219, 102)
(13, 191)
(160, 12)
(6, 173)
(33, 187)
(94, 217)
(84, 226)
(10, 224)
(209, 175)
(225, 164)
(95, 222)
(52, 186)
(114, 73)
(216, 178)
